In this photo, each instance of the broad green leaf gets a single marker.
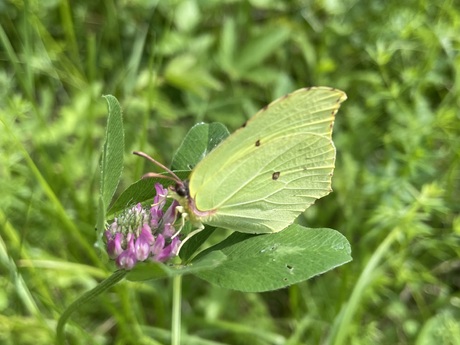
(112, 151)
(199, 141)
(258, 263)
(157, 270)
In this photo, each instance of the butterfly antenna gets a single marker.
(174, 177)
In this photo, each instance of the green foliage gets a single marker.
(240, 261)
(270, 262)
(111, 163)
(173, 64)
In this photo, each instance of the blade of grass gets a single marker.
(69, 30)
(342, 324)
(21, 289)
(20, 74)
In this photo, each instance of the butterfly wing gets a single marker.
(269, 171)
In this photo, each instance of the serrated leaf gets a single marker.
(156, 270)
(257, 263)
(199, 141)
(112, 151)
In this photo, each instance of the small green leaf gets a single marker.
(141, 191)
(199, 141)
(157, 270)
(112, 151)
(185, 73)
(258, 263)
(149, 270)
(187, 15)
(192, 245)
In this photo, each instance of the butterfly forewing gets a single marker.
(265, 174)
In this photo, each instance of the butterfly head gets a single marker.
(181, 189)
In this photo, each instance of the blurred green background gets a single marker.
(174, 63)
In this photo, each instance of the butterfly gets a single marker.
(261, 177)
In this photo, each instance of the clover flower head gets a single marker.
(138, 234)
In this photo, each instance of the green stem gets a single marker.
(86, 297)
(176, 308)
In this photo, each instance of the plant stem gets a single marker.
(176, 309)
(85, 298)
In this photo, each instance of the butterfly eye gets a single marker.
(182, 189)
